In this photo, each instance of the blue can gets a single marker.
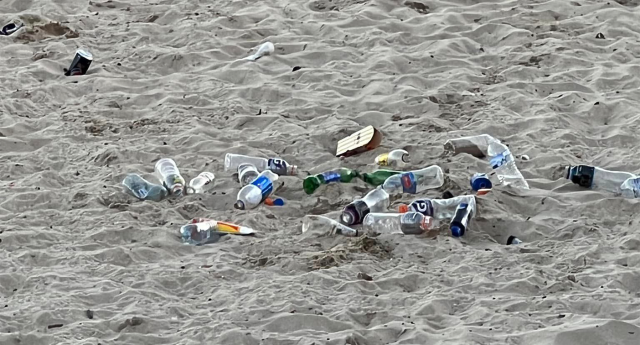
(480, 181)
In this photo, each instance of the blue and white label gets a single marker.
(265, 185)
(423, 206)
(278, 166)
(409, 183)
(330, 176)
(500, 159)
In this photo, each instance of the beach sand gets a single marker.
(83, 263)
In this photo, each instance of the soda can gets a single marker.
(80, 64)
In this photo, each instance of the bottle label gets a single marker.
(330, 176)
(383, 159)
(635, 184)
(278, 166)
(265, 185)
(409, 184)
(500, 159)
(423, 206)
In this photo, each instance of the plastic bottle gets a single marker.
(410, 223)
(437, 208)
(395, 158)
(512, 240)
(198, 184)
(251, 195)
(208, 230)
(313, 225)
(480, 181)
(500, 157)
(167, 172)
(276, 165)
(143, 189)
(415, 181)
(597, 178)
(378, 177)
(462, 217)
(376, 200)
(311, 183)
(247, 172)
(631, 188)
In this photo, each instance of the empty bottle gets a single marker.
(437, 208)
(209, 231)
(500, 157)
(247, 172)
(376, 200)
(253, 194)
(378, 177)
(143, 189)
(313, 225)
(480, 181)
(512, 240)
(311, 183)
(415, 181)
(396, 158)
(410, 223)
(462, 217)
(168, 173)
(276, 165)
(199, 183)
(596, 178)
(631, 188)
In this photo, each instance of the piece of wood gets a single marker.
(363, 140)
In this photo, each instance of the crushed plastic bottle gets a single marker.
(142, 189)
(396, 158)
(415, 181)
(276, 165)
(247, 172)
(500, 157)
(376, 200)
(410, 223)
(314, 225)
(167, 172)
(462, 217)
(253, 194)
(199, 183)
(630, 188)
(311, 183)
(208, 231)
(598, 179)
(437, 208)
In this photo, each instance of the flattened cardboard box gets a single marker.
(363, 140)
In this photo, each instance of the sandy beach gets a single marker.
(83, 263)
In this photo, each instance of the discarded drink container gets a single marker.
(80, 64)
(598, 179)
(209, 230)
(480, 181)
(168, 173)
(396, 158)
(276, 165)
(247, 172)
(198, 184)
(265, 49)
(142, 189)
(410, 223)
(253, 194)
(416, 181)
(10, 29)
(631, 188)
(512, 240)
(314, 225)
(378, 177)
(461, 219)
(437, 208)
(376, 200)
(313, 182)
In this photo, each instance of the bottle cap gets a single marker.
(347, 217)
(405, 158)
(177, 189)
(480, 181)
(403, 208)
(456, 231)
(274, 202)
(239, 205)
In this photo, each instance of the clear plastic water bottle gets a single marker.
(596, 178)
(505, 167)
(142, 189)
(319, 226)
(203, 231)
(437, 208)
(410, 223)
(276, 165)
(631, 188)
(167, 172)
(247, 172)
(200, 182)
(462, 217)
(376, 200)
(512, 240)
(253, 194)
(396, 159)
(415, 181)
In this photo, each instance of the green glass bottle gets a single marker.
(311, 183)
(378, 177)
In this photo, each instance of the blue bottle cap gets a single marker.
(480, 181)
(456, 231)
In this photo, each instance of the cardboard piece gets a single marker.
(363, 140)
